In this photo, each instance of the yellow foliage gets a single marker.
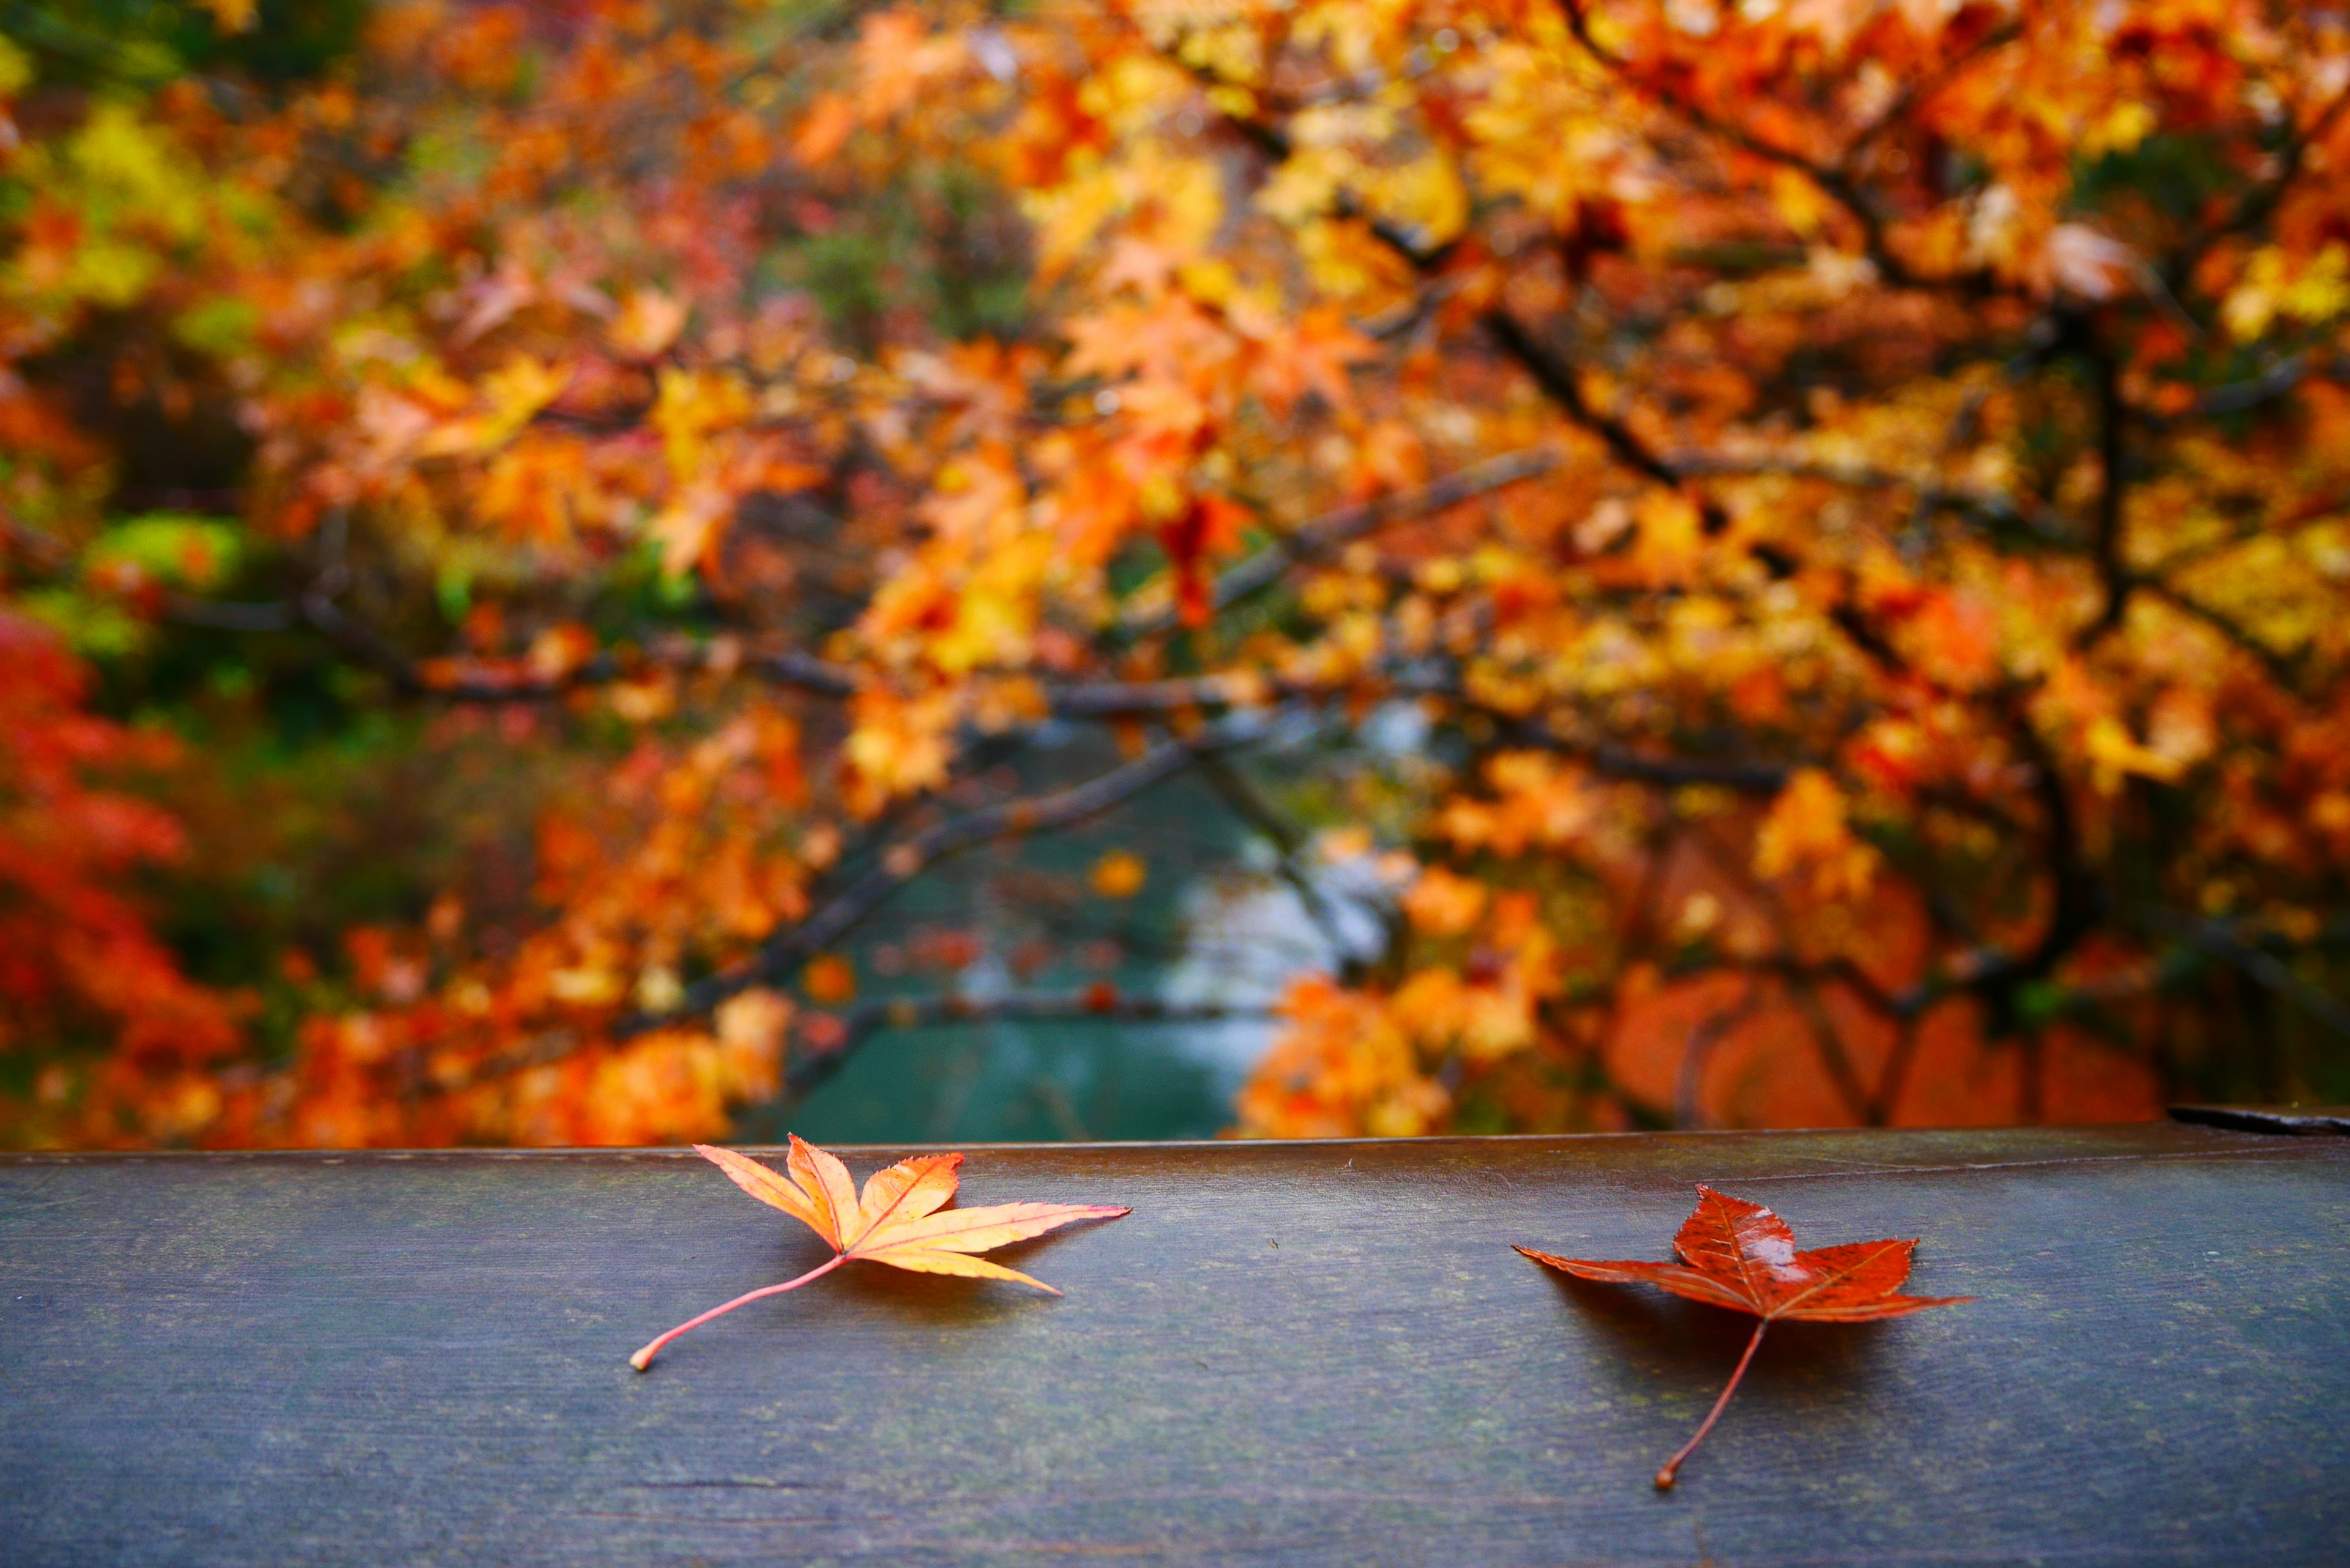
(1808, 834)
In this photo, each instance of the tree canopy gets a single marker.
(1797, 548)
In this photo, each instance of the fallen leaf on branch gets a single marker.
(1741, 1256)
(897, 1220)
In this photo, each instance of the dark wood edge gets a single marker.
(2290, 1120)
(1439, 1144)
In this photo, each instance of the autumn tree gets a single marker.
(1843, 501)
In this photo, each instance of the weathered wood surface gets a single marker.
(1314, 1353)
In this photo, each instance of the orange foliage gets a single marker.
(77, 957)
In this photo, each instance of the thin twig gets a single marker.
(643, 1359)
(907, 859)
(1671, 1470)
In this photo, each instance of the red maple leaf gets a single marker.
(1741, 1256)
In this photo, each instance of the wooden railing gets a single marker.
(1289, 1353)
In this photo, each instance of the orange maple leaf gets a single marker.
(897, 1220)
(1741, 1256)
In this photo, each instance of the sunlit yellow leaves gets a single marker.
(15, 69)
(1306, 185)
(120, 197)
(690, 408)
(1341, 1067)
(1808, 835)
(2115, 753)
(1485, 1022)
(1425, 195)
(898, 747)
(2122, 129)
(1118, 874)
(970, 598)
(1801, 203)
(2275, 284)
(508, 398)
(1346, 262)
(1666, 549)
(1158, 189)
(2180, 731)
(1538, 803)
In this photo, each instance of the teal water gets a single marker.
(1030, 921)
(1022, 1083)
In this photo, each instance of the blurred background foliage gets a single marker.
(505, 527)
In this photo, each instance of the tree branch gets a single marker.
(2259, 201)
(2112, 417)
(903, 862)
(1252, 807)
(1333, 529)
(1836, 179)
(2214, 937)
(2040, 518)
(2284, 668)
(1557, 378)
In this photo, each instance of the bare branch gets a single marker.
(1748, 777)
(2263, 199)
(2024, 511)
(903, 862)
(2215, 939)
(2112, 420)
(2285, 669)
(1557, 380)
(1252, 807)
(1836, 179)
(1333, 529)
(2241, 397)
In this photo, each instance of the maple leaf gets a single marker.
(897, 1220)
(1741, 1256)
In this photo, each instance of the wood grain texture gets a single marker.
(1312, 1353)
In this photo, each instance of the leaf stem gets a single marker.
(644, 1358)
(1673, 1465)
